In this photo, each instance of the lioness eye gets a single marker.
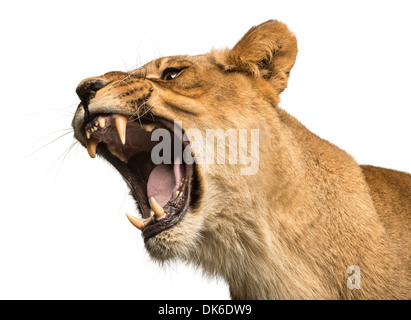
(170, 73)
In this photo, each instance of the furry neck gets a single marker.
(294, 233)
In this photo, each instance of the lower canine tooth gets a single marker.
(92, 147)
(159, 212)
(138, 223)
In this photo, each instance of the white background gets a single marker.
(63, 230)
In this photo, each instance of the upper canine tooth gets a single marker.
(88, 133)
(158, 210)
(92, 147)
(121, 126)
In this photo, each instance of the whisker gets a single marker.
(44, 146)
(64, 155)
(125, 64)
(36, 151)
(38, 112)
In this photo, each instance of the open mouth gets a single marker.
(162, 190)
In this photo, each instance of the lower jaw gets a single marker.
(175, 209)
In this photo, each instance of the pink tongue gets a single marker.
(161, 183)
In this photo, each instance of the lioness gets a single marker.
(309, 223)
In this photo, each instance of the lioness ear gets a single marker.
(267, 50)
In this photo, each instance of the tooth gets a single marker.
(117, 152)
(177, 193)
(138, 223)
(121, 155)
(158, 210)
(88, 133)
(102, 122)
(92, 147)
(149, 127)
(121, 126)
(112, 148)
(148, 221)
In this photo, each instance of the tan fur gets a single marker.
(291, 230)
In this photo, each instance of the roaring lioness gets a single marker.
(308, 223)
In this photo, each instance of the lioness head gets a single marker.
(123, 116)
(236, 89)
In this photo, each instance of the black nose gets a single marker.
(87, 89)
